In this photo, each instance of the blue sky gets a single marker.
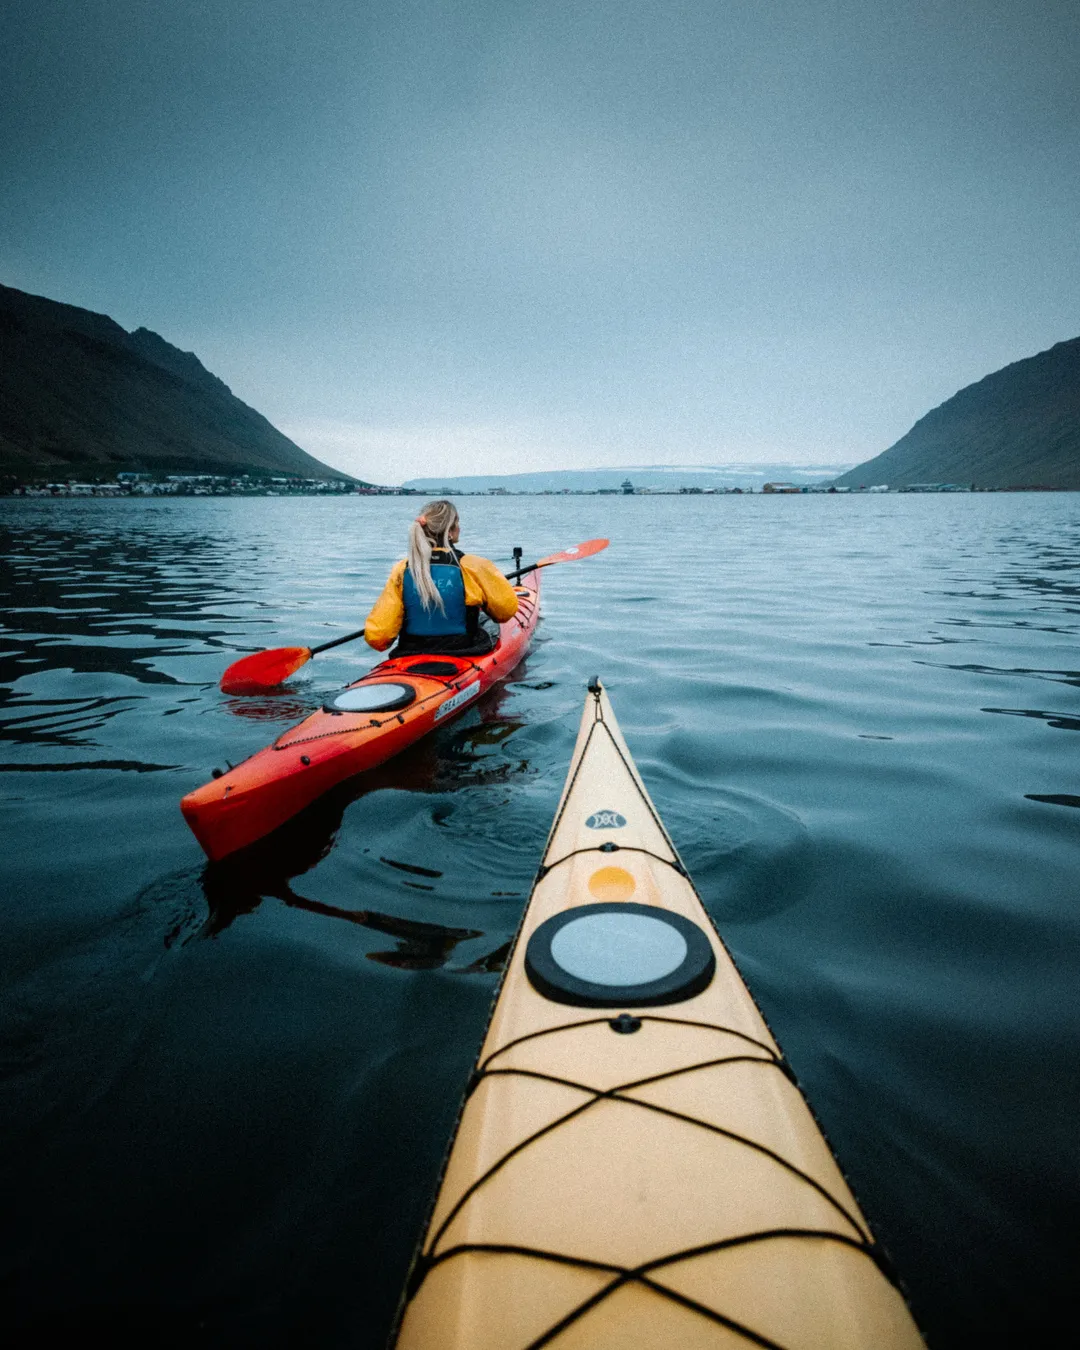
(470, 237)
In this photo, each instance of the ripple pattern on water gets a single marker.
(228, 1090)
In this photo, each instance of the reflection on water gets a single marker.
(1052, 719)
(275, 705)
(420, 946)
(1054, 676)
(1056, 798)
(123, 765)
(411, 867)
(460, 757)
(227, 1090)
(62, 721)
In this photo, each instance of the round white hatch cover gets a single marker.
(616, 954)
(364, 698)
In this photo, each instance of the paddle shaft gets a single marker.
(349, 637)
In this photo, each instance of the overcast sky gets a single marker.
(491, 235)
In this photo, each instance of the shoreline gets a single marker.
(107, 491)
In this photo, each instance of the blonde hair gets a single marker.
(430, 530)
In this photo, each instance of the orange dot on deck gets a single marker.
(612, 883)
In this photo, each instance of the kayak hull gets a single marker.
(259, 795)
(637, 1174)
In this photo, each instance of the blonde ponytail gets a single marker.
(431, 529)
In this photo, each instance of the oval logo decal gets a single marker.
(606, 820)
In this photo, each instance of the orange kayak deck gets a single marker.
(260, 794)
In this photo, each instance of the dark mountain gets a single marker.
(1019, 427)
(79, 395)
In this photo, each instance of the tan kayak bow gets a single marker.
(635, 1167)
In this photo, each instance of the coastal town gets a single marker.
(199, 485)
(250, 485)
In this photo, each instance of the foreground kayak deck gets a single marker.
(257, 796)
(635, 1166)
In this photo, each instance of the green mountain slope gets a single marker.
(1019, 427)
(79, 395)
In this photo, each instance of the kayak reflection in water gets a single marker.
(433, 599)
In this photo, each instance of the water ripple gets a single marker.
(207, 1070)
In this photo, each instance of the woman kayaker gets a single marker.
(433, 598)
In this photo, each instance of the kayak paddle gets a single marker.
(585, 550)
(263, 670)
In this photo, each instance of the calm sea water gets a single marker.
(227, 1091)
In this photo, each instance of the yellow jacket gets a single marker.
(485, 585)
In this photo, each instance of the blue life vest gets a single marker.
(435, 622)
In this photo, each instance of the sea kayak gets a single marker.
(634, 1165)
(395, 703)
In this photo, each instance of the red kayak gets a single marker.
(364, 725)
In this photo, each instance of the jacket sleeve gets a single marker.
(388, 612)
(499, 598)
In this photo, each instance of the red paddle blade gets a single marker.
(585, 550)
(263, 670)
